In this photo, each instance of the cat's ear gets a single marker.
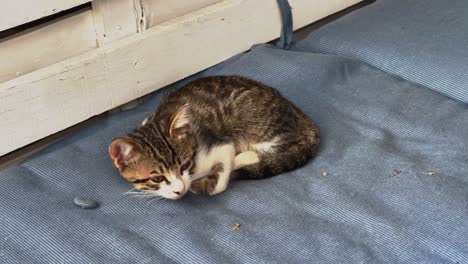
(181, 124)
(123, 151)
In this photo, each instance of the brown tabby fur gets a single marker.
(222, 110)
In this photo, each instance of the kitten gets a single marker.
(210, 131)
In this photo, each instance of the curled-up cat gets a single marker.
(211, 131)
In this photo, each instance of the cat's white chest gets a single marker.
(207, 158)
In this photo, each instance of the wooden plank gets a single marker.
(159, 11)
(114, 19)
(47, 44)
(18, 12)
(48, 100)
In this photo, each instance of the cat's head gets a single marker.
(158, 158)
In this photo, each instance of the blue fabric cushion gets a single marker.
(372, 124)
(422, 41)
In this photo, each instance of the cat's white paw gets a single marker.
(218, 190)
(221, 184)
(205, 186)
(245, 159)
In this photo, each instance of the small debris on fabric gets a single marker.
(432, 173)
(395, 173)
(237, 226)
(85, 203)
(324, 173)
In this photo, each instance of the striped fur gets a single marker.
(213, 123)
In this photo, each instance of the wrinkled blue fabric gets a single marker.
(371, 123)
(423, 41)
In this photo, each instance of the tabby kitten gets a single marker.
(210, 131)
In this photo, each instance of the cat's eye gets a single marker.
(158, 178)
(184, 167)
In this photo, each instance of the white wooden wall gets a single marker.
(17, 12)
(59, 74)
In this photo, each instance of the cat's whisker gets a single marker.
(155, 198)
(152, 194)
(140, 195)
(131, 191)
(147, 194)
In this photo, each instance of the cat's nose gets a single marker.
(180, 191)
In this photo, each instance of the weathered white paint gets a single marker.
(114, 19)
(50, 99)
(46, 44)
(18, 12)
(158, 11)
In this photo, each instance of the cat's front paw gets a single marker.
(205, 186)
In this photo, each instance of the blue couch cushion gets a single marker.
(422, 41)
(372, 124)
